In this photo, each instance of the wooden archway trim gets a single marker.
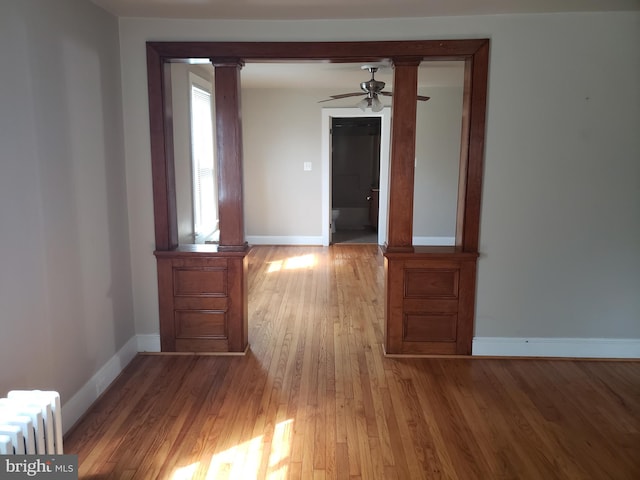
(415, 322)
(320, 51)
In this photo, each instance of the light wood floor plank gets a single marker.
(315, 398)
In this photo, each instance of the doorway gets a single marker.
(356, 217)
(355, 179)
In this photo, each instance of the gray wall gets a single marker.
(560, 219)
(438, 126)
(282, 130)
(65, 284)
(280, 197)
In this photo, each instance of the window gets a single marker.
(205, 197)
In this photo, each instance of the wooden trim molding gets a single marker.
(476, 73)
(403, 152)
(162, 164)
(321, 51)
(400, 253)
(229, 153)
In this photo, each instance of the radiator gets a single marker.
(30, 423)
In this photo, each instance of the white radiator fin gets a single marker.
(14, 432)
(32, 421)
(6, 445)
(26, 426)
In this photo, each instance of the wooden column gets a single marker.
(475, 88)
(403, 152)
(229, 154)
(161, 130)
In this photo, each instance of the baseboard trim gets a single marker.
(313, 240)
(77, 405)
(556, 347)
(283, 240)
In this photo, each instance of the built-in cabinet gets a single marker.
(430, 299)
(203, 300)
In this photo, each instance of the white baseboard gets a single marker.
(149, 343)
(77, 405)
(556, 347)
(433, 241)
(311, 240)
(283, 240)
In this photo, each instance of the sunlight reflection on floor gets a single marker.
(185, 473)
(302, 261)
(244, 460)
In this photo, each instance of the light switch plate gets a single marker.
(307, 166)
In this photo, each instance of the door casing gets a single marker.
(385, 119)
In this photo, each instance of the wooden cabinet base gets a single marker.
(203, 300)
(430, 298)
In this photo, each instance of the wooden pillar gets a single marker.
(229, 154)
(163, 171)
(403, 153)
(475, 87)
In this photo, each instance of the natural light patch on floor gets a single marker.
(246, 459)
(185, 473)
(291, 263)
(280, 450)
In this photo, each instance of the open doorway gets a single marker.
(355, 131)
(355, 179)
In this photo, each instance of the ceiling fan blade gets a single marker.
(342, 95)
(419, 97)
(345, 95)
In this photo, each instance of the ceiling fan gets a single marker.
(372, 88)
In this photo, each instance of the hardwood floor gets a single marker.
(315, 398)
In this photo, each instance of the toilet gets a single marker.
(335, 213)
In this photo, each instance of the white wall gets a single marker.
(560, 224)
(282, 130)
(65, 284)
(438, 125)
(560, 231)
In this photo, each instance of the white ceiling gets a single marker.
(346, 9)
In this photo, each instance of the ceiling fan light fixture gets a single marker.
(372, 102)
(373, 89)
(376, 104)
(364, 103)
